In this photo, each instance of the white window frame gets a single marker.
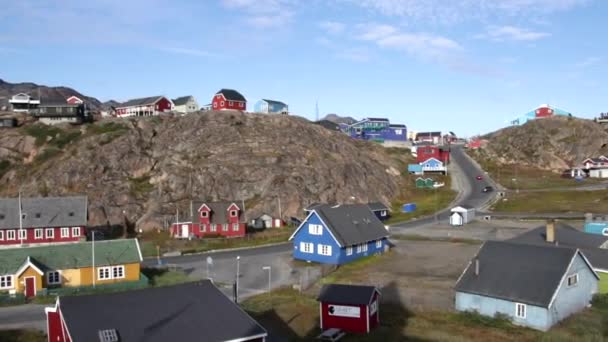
(349, 250)
(39, 234)
(1, 234)
(213, 228)
(203, 228)
(524, 309)
(48, 278)
(359, 249)
(231, 103)
(307, 247)
(6, 279)
(107, 272)
(364, 247)
(222, 103)
(233, 213)
(75, 231)
(315, 229)
(235, 227)
(204, 214)
(225, 227)
(65, 232)
(22, 234)
(11, 235)
(573, 276)
(379, 244)
(324, 250)
(383, 213)
(49, 233)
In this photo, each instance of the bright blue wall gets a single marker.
(596, 228)
(338, 254)
(432, 163)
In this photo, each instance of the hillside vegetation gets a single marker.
(138, 171)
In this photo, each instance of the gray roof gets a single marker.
(347, 294)
(180, 101)
(219, 211)
(516, 272)
(187, 312)
(351, 224)
(375, 206)
(43, 212)
(274, 102)
(231, 95)
(140, 101)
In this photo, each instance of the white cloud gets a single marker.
(511, 33)
(264, 14)
(587, 62)
(332, 27)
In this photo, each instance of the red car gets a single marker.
(478, 177)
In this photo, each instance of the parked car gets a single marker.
(488, 189)
(479, 178)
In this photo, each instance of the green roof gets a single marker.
(72, 255)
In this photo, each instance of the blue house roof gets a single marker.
(414, 168)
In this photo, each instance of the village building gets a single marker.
(225, 219)
(266, 221)
(37, 270)
(147, 106)
(462, 215)
(44, 220)
(430, 137)
(542, 111)
(58, 111)
(74, 100)
(24, 103)
(229, 99)
(441, 153)
(185, 105)
(378, 130)
(379, 209)
(196, 311)
(339, 234)
(8, 122)
(265, 106)
(596, 225)
(349, 308)
(535, 286)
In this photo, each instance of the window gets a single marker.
(118, 272)
(605, 232)
(53, 278)
(383, 213)
(225, 227)
(235, 227)
(364, 247)
(233, 213)
(573, 280)
(37, 215)
(204, 214)
(349, 251)
(10, 235)
(379, 244)
(108, 335)
(38, 234)
(222, 103)
(214, 104)
(324, 250)
(22, 234)
(110, 272)
(315, 229)
(230, 103)
(50, 233)
(75, 231)
(242, 104)
(103, 273)
(65, 232)
(6, 282)
(358, 248)
(520, 310)
(203, 228)
(306, 247)
(1, 235)
(213, 228)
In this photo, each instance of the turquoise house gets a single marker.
(270, 107)
(535, 286)
(599, 228)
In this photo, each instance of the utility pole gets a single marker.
(280, 212)
(93, 255)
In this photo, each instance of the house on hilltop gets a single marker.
(270, 107)
(185, 104)
(58, 111)
(24, 103)
(229, 99)
(146, 106)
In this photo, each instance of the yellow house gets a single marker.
(31, 270)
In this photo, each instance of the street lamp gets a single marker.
(238, 258)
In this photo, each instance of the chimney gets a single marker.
(550, 231)
(476, 266)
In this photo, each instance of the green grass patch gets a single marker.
(54, 136)
(352, 272)
(106, 127)
(140, 186)
(554, 202)
(415, 237)
(23, 335)
(603, 283)
(165, 277)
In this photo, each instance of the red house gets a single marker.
(425, 152)
(225, 219)
(43, 220)
(350, 308)
(229, 99)
(147, 106)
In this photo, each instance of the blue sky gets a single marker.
(468, 66)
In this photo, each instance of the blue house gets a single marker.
(433, 165)
(597, 227)
(270, 107)
(536, 286)
(339, 234)
(415, 169)
(377, 129)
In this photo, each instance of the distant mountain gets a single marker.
(7, 90)
(339, 119)
(110, 103)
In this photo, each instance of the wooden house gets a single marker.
(349, 308)
(58, 111)
(226, 219)
(339, 234)
(23, 103)
(35, 270)
(196, 311)
(461, 215)
(185, 105)
(535, 286)
(266, 106)
(441, 153)
(146, 106)
(266, 221)
(379, 209)
(433, 165)
(229, 99)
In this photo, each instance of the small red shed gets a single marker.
(350, 308)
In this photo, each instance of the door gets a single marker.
(185, 231)
(30, 287)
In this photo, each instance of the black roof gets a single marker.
(186, 312)
(516, 272)
(376, 206)
(351, 224)
(180, 101)
(231, 95)
(378, 119)
(397, 126)
(347, 294)
(427, 134)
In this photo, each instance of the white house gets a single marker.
(461, 215)
(185, 104)
(598, 173)
(23, 103)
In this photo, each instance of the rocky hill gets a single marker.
(140, 171)
(9, 89)
(551, 143)
(339, 119)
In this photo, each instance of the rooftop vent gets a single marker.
(37, 215)
(108, 335)
(71, 213)
(1, 216)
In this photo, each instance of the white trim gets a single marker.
(12, 281)
(14, 234)
(77, 229)
(41, 230)
(233, 204)
(25, 285)
(1, 234)
(470, 263)
(139, 250)
(367, 317)
(201, 207)
(321, 314)
(47, 235)
(578, 252)
(25, 266)
(525, 310)
(249, 338)
(48, 278)
(64, 229)
(324, 224)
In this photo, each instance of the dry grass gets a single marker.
(555, 202)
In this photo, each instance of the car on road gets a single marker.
(479, 178)
(488, 189)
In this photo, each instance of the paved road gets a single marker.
(30, 316)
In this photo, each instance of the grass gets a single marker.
(526, 177)
(352, 272)
(165, 277)
(47, 154)
(140, 186)
(167, 244)
(603, 282)
(106, 127)
(54, 136)
(415, 237)
(22, 336)
(554, 202)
